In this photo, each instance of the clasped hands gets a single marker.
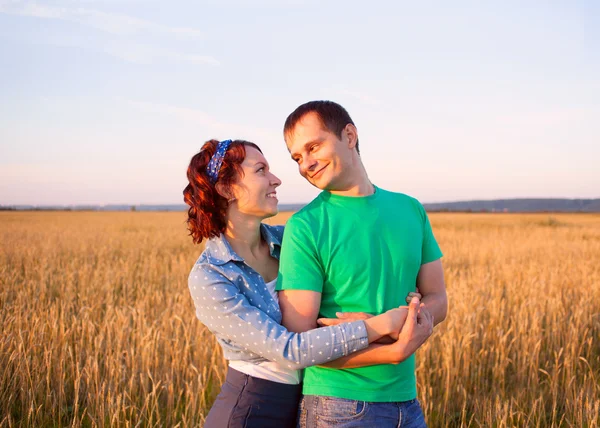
(412, 325)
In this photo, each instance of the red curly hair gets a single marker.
(208, 209)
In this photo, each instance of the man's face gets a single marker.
(321, 156)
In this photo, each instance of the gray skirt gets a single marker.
(250, 402)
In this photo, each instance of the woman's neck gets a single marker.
(243, 234)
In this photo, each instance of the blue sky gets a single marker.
(105, 101)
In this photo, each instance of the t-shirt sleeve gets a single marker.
(430, 250)
(300, 267)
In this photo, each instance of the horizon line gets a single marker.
(291, 203)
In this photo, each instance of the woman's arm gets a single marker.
(224, 310)
(416, 330)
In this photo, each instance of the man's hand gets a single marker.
(417, 329)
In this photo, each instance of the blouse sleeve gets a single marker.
(224, 310)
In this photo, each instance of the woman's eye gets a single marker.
(261, 169)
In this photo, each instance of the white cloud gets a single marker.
(107, 22)
(193, 58)
(145, 54)
(364, 98)
(209, 123)
(184, 113)
(117, 25)
(557, 117)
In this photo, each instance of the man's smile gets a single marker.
(312, 177)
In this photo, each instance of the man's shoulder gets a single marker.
(398, 197)
(403, 204)
(308, 212)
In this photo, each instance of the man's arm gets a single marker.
(301, 277)
(299, 309)
(430, 279)
(375, 354)
(415, 331)
(431, 285)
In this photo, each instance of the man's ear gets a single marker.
(351, 134)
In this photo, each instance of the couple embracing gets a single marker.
(292, 311)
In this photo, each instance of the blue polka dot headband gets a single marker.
(217, 160)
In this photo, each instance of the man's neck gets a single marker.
(357, 184)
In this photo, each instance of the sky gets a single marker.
(106, 101)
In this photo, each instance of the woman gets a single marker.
(230, 191)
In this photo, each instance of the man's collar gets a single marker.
(218, 251)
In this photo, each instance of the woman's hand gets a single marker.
(397, 318)
(390, 322)
(412, 294)
(343, 317)
(356, 316)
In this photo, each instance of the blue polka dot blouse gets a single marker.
(233, 301)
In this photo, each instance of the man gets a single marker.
(355, 248)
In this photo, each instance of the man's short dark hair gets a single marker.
(333, 117)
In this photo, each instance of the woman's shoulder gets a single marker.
(212, 271)
(206, 272)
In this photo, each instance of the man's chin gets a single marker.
(319, 183)
(320, 187)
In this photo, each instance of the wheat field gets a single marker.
(98, 328)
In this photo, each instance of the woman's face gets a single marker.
(254, 191)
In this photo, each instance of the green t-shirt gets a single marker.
(362, 254)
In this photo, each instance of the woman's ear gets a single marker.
(223, 192)
(227, 194)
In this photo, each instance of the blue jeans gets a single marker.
(324, 412)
